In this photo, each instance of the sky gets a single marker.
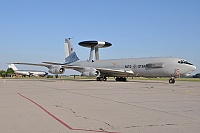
(34, 30)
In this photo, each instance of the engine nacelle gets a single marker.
(56, 70)
(90, 72)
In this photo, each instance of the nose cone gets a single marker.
(194, 68)
(191, 69)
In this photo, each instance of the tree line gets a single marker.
(8, 73)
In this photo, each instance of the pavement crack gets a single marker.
(152, 125)
(83, 117)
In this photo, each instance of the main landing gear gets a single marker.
(101, 78)
(172, 80)
(121, 79)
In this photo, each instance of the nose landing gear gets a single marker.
(172, 80)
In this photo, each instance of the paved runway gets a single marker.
(86, 106)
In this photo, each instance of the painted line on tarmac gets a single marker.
(60, 121)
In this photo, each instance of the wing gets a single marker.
(53, 63)
(33, 64)
(103, 71)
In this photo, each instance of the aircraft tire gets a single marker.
(171, 80)
(121, 79)
(101, 79)
(117, 79)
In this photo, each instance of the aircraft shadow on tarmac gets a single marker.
(136, 81)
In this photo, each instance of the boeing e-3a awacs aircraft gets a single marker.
(27, 72)
(120, 68)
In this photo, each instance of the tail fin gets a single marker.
(70, 54)
(13, 67)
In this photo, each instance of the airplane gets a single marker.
(120, 68)
(27, 72)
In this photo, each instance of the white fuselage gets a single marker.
(148, 67)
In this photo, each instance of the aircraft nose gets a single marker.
(190, 69)
(194, 68)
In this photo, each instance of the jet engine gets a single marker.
(90, 72)
(56, 70)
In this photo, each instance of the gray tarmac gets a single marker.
(88, 106)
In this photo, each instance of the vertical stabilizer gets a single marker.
(13, 67)
(70, 54)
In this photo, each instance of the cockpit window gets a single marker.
(184, 62)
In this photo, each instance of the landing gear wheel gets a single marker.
(101, 79)
(172, 80)
(121, 79)
(98, 78)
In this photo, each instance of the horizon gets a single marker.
(35, 32)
